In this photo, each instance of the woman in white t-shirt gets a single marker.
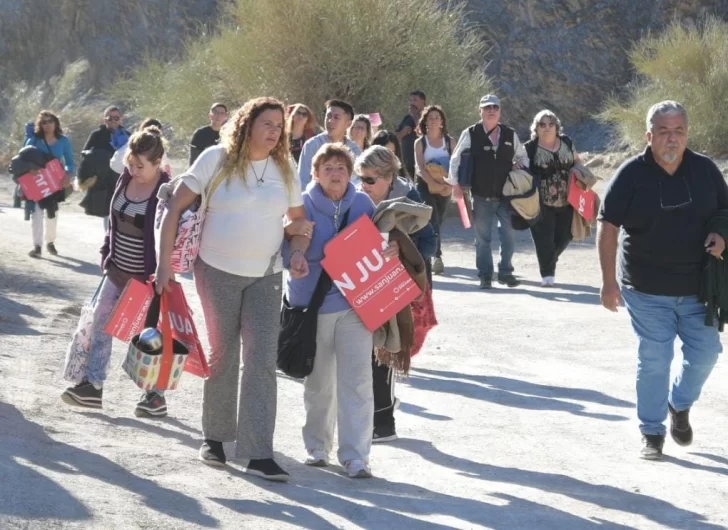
(238, 276)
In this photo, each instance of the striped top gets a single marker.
(128, 246)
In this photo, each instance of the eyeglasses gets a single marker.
(48, 121)
(676, 206)
(113, 118)
(546, 124)
(491, 107)
(370, 180)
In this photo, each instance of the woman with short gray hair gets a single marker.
(551, 155)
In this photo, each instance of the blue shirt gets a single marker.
(62, 150)
(310, 148)
(320, 209)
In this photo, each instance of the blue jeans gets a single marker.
(485, 213)
(657, 320)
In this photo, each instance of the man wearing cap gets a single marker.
(495, 151)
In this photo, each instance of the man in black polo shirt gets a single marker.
(495, 151)
(209, 135)
(406, 130)
(660, 202)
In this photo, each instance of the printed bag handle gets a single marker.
(160, 305)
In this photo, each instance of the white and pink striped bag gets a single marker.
(189, 231)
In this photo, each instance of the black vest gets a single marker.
(490, 167)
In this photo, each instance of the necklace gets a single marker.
(337, 211)
(260, 180)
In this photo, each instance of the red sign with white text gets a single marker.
(48, 181)
(377, 289)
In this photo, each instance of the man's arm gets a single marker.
(194, 149)
(607, 243)
(304, 163)
(462, 145)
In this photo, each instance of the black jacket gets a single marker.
(714, 284)
(100, 139)
(95, 175)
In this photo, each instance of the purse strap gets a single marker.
(323, 286)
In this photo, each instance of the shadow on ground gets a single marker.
(28, 493)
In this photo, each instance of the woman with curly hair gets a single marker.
(302, 125)
(48, 136)
(252, 186)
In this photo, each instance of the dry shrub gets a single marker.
(687, 63)
(370, 53)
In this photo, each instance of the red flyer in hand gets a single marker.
(48, 181)
(377, 289)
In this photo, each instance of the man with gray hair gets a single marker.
(661, 201)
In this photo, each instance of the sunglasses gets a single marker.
(47, 122)
(492, 107)
(546, 124)
(683, 204)
(370, 180)
(113, 118)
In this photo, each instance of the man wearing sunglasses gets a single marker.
(111, 135)
(208, 135)
(659, 202)
(495, 151)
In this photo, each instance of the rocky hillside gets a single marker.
(567, 55)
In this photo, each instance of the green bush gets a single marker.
(371, 53)
(687, 63)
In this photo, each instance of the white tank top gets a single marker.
(435, 152)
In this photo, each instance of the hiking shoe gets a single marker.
(357, 469)
(51, 248)
(548, 281)
(317, 458)
(384, 434)
(485, 283)
(152, 405)
(212, 453)
(83, 394)
(438, 267)
(508, 280)
(680, 429)
(35, 253)
(268, 469)
(652, 446)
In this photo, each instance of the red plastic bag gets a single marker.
(45, 183)
(184, 330)
(583, 201)
(127, 318)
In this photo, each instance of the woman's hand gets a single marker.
(299, 265)
(300, 227)
(392, 250)
(163, 277)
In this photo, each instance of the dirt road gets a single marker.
(519, 414)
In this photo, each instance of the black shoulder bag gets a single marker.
(297, 336)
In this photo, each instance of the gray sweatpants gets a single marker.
(241, 407)
(340, 387)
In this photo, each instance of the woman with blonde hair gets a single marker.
(551, 156)
(339, 389)
(253, 187)
(302, 125)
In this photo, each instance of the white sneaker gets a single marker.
(548, 281)
(358, 469)
(317, 458)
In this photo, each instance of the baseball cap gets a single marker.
(489, 99)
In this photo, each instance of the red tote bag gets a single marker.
(583, 201)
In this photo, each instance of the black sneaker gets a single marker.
(680, 428)
(51, 248)
(268, 469)
(485, 283)
(83, 394)
(35, 253)
(384, 434)
(151, 405)
(212, 453)
(652, 446)
(508, 280)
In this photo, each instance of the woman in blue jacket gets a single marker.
(48, 137)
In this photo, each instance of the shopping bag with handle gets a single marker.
(185, 331)
(79, 350)
(127, 317)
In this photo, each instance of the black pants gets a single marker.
(551, 235)
(439, 210)
(383, 381)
